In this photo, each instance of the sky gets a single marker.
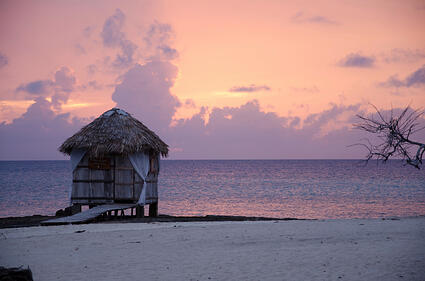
(214, 79)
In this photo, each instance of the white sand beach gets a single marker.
(356, 249)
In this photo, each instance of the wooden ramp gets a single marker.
(88, 215)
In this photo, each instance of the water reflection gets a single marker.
(302, 189)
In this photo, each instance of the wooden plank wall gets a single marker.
(124, 179)
(119, 183)
(93, 185)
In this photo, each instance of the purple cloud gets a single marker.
(145, 92)
(190, 103)
(392, 81)
(79, 49)
(246, 132)
(357, 60)
(94, 85)
(403, 55)
(36, 88)
(91, 69)
(58, 88)
(65, 80)
(36, 134)
(113, 37)
(415, 79)
(158, 41)
(311, 90)
(87, 32)
(301, 18)
(3, 60)
(250, 88)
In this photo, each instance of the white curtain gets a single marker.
(76, 156)
(151, 195)
(140, 162)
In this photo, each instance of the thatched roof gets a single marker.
(115, 132)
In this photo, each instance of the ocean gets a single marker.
(315, 189)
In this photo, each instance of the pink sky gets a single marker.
(215, 79)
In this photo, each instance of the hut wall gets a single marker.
(128, 185)
(97, 182)
(93, 182)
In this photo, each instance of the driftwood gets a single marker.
(15, 274)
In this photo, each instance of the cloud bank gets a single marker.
(37, 133)
(247, 132)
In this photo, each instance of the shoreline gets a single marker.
(35, 220)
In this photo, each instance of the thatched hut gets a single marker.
(115, 159)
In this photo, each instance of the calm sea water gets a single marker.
(273, 188)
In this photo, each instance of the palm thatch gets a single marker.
(115, 132)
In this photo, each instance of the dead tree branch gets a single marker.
(395, 133)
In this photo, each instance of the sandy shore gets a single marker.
(264, 250)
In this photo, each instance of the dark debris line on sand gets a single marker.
(37, 219)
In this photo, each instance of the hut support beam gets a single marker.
(140, 211)
(153, 209)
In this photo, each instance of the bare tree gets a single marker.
(395, 133)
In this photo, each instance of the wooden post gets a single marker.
(153, 209)
(140, 211)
